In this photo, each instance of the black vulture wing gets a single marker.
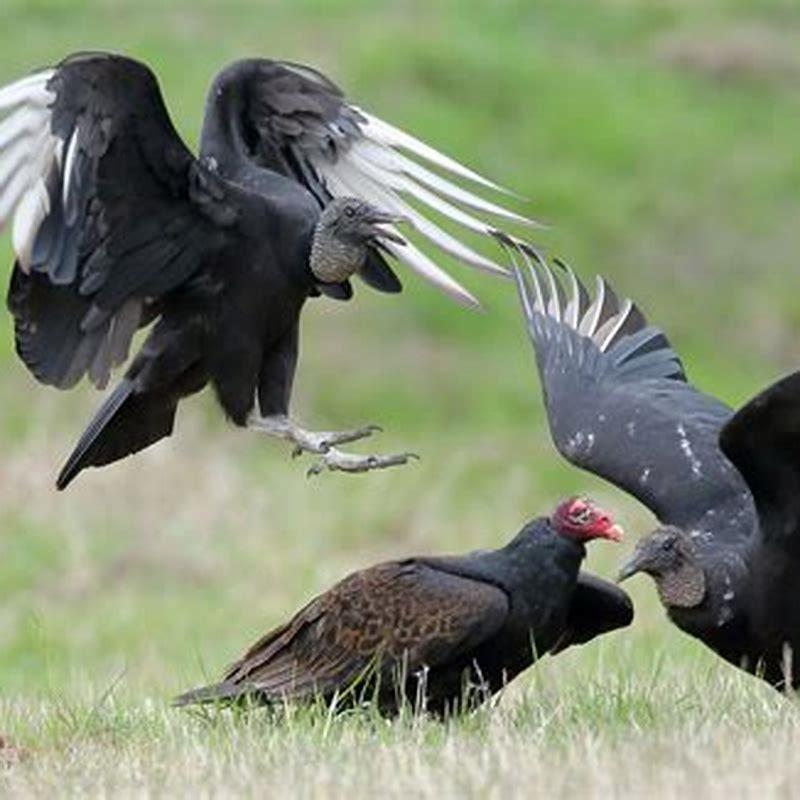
(597, 607)
(405, 615)
(763, 440)
(619, 403)
(110, 212)
(301, 125)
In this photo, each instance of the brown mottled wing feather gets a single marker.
(597, 607)
(394, 611)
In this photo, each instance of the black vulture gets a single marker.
(117, 226)
(723, 485)
(437, 633)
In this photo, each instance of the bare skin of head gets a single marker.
(582, 519)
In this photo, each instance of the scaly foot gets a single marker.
(323, 443)
(337, 460)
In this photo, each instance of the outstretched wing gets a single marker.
(597, 607)
(110, 211)
(396, 614)
(307, 129)
(763, 440)
(619, 404)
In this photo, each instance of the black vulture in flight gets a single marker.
(439, 633)
(724, 486)
(118, 226)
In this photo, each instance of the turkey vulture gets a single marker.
(440, 633)
(117, 226)
(723, 485)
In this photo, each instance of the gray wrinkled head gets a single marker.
(347, 228)
(670, 558)
(357, 222)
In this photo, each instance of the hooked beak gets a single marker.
(378, 218)
(629, 568)
(615, 533)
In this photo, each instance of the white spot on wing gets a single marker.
(725, 610)
(580, 442)
(686, 447)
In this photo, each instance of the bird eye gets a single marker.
(349, 212)
(667, 545)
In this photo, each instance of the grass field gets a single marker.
(659, 139)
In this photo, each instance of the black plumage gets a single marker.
(441, 634)
(117, 226)
(723, 485)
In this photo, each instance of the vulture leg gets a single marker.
(270, 415)
(322, 443)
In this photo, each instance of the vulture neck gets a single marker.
(539, 561)
(334, 260)
(684, 587)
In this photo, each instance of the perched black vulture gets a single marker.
(442, 633)
(723, 485)
(117, 226)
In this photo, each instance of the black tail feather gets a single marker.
(79, 458)
(125, 423)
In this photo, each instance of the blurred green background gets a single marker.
(657, 138)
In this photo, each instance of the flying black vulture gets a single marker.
(723, 485)
(117, 226)
(424, 630)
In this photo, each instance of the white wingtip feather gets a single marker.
(23, 121)
(588, 326)
(395, 137)
(32, 209)
(605, 336)
(424, 267)
(31, 90)
(572, 311)
(12, 193)
(393, 161)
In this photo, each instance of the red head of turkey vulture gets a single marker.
(723, 485)
(442, 633)
(117, 226)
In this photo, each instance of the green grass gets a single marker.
(659, 140)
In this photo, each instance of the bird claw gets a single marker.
(338, 461)
(321, 442)
(333, 438)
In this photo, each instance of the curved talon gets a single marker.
(315, 469)
(323, 444)
(344, 437)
